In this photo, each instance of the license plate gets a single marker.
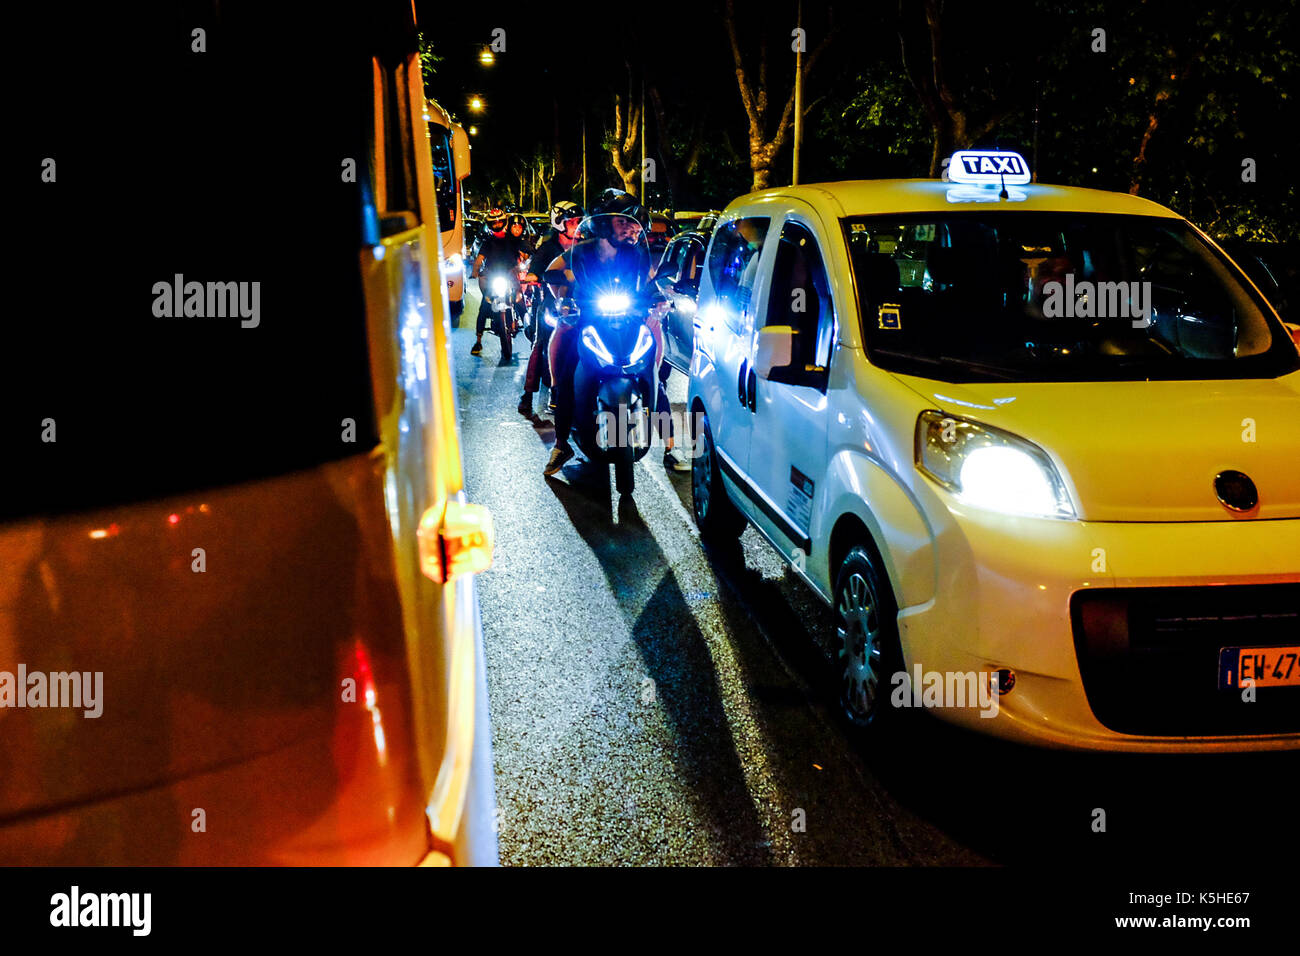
(1260, 666)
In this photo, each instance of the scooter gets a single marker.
(501, 292)
(615, 388)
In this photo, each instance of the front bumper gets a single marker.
(1005, 591)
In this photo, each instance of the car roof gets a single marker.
(865, 197)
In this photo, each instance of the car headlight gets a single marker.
(499, 286)
(591, 339)
(644, 343)
(989, 468)
(613, 303)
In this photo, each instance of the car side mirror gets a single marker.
(775, 349)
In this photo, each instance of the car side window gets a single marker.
(733, 260)
(800, 297)
(689, 276)
(667, 268)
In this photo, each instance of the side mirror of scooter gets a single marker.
(775, 349)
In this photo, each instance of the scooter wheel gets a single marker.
(624, 479)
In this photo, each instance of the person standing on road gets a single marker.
(565, 217)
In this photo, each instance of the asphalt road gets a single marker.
(653, 703)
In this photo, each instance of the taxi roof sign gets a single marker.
(988, 167)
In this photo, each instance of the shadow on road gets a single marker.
(675, 654)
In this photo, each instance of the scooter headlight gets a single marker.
(989, 468)
(499, 286)
(591, 339)
(644, 343)
(613, 303)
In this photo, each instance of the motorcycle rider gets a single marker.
(615, 256)
(565, 218)
(498, 254)
(518, 227)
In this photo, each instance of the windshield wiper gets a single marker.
(948, 361)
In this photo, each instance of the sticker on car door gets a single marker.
(798, 503)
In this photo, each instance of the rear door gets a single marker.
(787, 451)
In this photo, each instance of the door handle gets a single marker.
(753, 391)
(741, 382)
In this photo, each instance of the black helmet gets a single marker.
(517, 218)
(562, 212)
(616, 202)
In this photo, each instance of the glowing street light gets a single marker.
(487, 57)
(473, 131)
(476, 104)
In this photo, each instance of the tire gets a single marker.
(715, 515)
(503, 335)
(624, 479)
(866, 648)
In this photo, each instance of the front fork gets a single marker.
(622, 417)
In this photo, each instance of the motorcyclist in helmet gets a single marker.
(518, 228)
(565, 217)
(614, 256)
(498, 254)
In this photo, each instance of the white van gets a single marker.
(1036, 445)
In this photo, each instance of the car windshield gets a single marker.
(1030, 296)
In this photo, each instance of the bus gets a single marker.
(449, 146)
(240, 544)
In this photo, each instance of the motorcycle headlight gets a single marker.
(613, 303)
(989, 468)
(499, 286)
(644, 343)
(591, 339)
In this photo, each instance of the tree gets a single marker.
(764, 141)
(624, 145)
(954, 121)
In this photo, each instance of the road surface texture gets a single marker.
(657, 704)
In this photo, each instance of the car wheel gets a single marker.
(867, 650)
(715, 514)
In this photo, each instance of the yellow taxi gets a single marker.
(1038, 447)
(238, 614)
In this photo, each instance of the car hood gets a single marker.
(1149, 451)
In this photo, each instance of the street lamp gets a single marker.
(476, 104)
(487, 57)
(473, 131)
